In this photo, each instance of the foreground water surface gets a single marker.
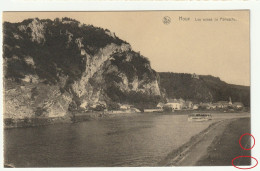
(136, 140)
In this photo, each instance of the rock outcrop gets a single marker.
(54, 67)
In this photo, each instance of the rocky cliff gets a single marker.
(53, 67)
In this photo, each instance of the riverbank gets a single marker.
(69, 119)
(87, 116)
(10, 123)
(211, 146)
(228, 143)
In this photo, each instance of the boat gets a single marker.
(199, 117)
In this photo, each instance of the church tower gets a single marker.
(230, 101)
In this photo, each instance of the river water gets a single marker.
(135, 140)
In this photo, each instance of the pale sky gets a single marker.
(218, 48)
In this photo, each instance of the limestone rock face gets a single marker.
(34, 100)
(54, 67)
(35, 29)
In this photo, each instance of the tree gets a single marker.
(113, 106)
(167, 109)
(100, 107)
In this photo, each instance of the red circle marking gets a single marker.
(242, 137)
(244, 167)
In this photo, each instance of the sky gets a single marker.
(201, 42)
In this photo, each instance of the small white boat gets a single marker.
(199, 117)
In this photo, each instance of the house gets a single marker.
(178, 104)
(195, 106)
(230, 101)
(205, 105)
(135, 110)
(125, 106)
(95, 105)
(160, 105)
(195, 76)
(174, 104)
(187, 105)
(213, 105)
(238, 105)
(222, 104)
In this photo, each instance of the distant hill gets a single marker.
(202, 88)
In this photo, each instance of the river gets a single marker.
(135, 140)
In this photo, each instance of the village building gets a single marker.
(125, 107)
(195, 106)
(195, 76)
(222, 104)
(230, 101)
(238, 105)
(174, 104)
(206, 105)
(135, 110)
(177, 104)
(94, 105)
(160, 105)
(213, 105)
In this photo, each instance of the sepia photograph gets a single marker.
(126, 88)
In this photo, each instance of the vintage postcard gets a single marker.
(127, 88)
